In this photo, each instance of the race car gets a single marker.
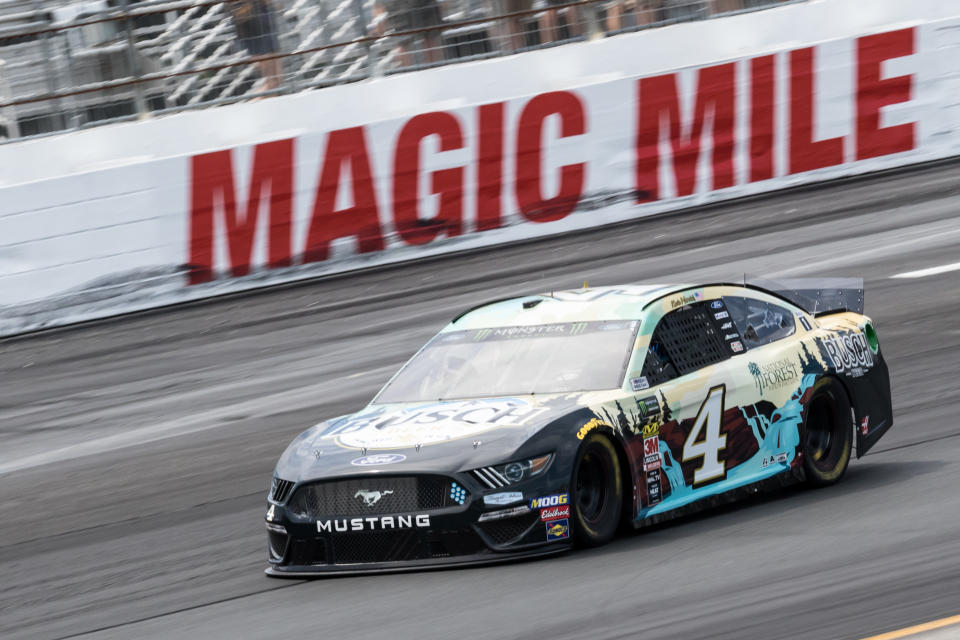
(530, 425)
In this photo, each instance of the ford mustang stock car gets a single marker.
(529, 425)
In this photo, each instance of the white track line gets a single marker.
(932, 271)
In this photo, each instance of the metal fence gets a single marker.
(74, 64)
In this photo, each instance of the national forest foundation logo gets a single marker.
(774, 375)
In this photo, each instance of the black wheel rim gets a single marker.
(823, 438)
(592, 486)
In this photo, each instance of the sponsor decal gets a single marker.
(716, 304)
(731, 336)
(682, 300)
(736, 346)
(723, 315)
(377, 459)
(780, 458)
(554, 513)
(639, 384)
(558, 529)
(592, 424)
(848, 352)
(648, 406)
(864, 427)
(652, 429)
(371, 498)
(503, 498)
(374, 523)
(726, 326)
(774, 375)
(654, 495)
(272, 512)
(804, 322)
(651, 454)
(555, 500)
(430, 423)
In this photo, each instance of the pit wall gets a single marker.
(133, 216)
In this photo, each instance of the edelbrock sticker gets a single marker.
(554, 513)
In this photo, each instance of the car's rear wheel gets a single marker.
(827, 435)
(597, 495)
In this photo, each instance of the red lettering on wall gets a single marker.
(447, 183)
(806, 154)
(658, 100)
(874, 93)
(212, 180)
(529, 159)
(361, 220)
(489, 165)
(761, 117)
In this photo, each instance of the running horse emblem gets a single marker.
(371, 498)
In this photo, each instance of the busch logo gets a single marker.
(848, 351)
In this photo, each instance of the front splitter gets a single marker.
(411, 565)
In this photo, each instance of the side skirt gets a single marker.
(788, 478)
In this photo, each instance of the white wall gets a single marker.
(100, 221)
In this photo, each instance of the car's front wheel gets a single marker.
(597, 495)
(827, 433)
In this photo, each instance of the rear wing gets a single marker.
(818, 296)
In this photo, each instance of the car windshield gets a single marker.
(510, 361)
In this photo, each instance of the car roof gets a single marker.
(624, 302)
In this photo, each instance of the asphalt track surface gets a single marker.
(135, 454)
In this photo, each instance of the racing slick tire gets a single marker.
(827, 435)
(597, 492)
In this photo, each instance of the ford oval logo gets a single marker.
(378, 458)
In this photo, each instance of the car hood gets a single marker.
(440, 437)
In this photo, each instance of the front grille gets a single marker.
(305, 552)
(277, 543)
(372, 496)
(509, 529)
(377, 546)
(279, 489)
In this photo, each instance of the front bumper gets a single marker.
(302, 544)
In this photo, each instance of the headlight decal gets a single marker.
(497, 476)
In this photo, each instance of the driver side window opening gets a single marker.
(760, 322)
(684, 341)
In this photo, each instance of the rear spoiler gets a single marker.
(818, 296)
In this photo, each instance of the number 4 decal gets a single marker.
(707, 423)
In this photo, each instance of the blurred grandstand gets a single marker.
(73, 64)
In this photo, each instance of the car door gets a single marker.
(692, 365)
(777, 363)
